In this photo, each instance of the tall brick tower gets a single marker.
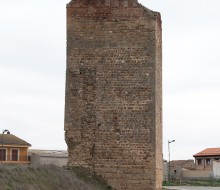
(113, 113)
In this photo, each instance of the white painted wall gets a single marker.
(216, 169)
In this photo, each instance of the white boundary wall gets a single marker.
(216, 169)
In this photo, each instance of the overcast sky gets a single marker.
(32, 72)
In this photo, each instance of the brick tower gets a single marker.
(113, 112)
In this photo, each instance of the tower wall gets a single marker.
(113, 112)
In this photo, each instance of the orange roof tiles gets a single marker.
(209, 152)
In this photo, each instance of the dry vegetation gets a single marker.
(48, 178)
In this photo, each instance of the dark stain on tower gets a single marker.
(113, 112)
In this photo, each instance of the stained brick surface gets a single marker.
(113, 114)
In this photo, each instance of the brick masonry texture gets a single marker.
(113, 109)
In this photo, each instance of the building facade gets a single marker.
(13, 150)
(113, 109)
(177, 166)
(204, 159)
(206, 166)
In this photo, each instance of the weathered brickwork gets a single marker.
(113, 112)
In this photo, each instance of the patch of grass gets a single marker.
(49, 178)
(89, 177)
(208, 183)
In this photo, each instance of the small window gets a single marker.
(199, 161)
(208, 161)
(14, 155)
(3, 154)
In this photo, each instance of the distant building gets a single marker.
(13, 150)
(48, 157)
(204, 159)
(176, 167)
(207, 165)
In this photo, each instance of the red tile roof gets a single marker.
(209, 152)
